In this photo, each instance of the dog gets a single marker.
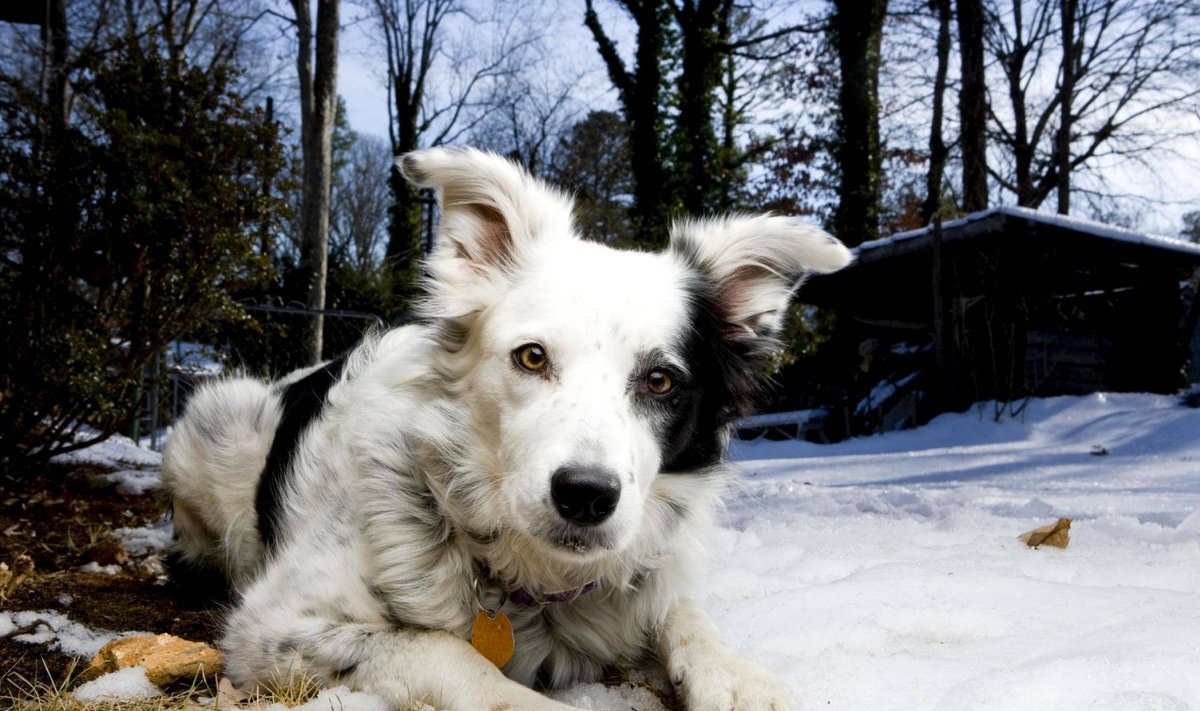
(543, 449)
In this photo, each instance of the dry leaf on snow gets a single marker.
(1057, 534)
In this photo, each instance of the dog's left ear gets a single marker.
(754, 264)
(492, 211)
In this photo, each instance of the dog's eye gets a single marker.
(659, 382)
(531, 357)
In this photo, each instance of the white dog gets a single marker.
(546, 446)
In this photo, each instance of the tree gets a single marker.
(1107, 94)
(316, 68)
(592, 161)
(527, 116)
(142, 243)
(703, 28)
(414, 33)
(938, 150)
(639, 93)
(1191, 226)
(857, 29)
(358, 227)
(973, 104)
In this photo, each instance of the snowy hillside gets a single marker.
(885, 572)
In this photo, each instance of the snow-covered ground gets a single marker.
(885, 572)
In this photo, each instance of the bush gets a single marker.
(119, 231)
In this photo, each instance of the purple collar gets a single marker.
(524, 597)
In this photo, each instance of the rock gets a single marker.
(166, 658)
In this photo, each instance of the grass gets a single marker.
(47, 694)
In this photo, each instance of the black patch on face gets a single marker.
(724, 378)
(302, 402)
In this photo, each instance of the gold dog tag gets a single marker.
(493, 637)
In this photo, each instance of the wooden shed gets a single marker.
(1024, 303)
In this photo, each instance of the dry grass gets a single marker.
(48, 694)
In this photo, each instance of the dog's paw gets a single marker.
(728, 683)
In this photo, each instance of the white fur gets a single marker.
(433, 458)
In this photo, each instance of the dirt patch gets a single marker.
(63, 518)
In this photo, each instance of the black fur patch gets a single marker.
(303, 401)
(726, 374)
(197, 585)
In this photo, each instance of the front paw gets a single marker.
(724, 682)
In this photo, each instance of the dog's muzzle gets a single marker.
(585, 496)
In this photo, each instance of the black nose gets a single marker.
(585, 495)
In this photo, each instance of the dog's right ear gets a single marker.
(492, 211)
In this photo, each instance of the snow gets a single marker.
(117, 452)
(198, 359)
(96, 569)
(134, 482)
(885, 572)
(598, 697)
(151, 538)
(337, 699)
(56, 630)
(123, 684)
(1095, 229)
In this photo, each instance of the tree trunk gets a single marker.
(937, 145)
(699, 23)
(317, 72)
(639, 93)
(858, 35)
(1062, 142)
(972, 105)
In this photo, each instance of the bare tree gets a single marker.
(1069, 105)
(528, 115)
(358, 229)
(938, 150)
(639, 92)
(316, 69)
(973, 104)
(419, 115)
(858, 34)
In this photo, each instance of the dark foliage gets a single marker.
(120, 230)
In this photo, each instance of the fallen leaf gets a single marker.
(1057, 534)
(228, 694)
(12, 578)
(107, 552)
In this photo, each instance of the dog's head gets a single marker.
(591, 372)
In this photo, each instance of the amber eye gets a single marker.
(659, 382)
(531, 357)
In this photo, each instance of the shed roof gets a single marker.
(985, 222)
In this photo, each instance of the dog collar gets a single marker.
(524, 598)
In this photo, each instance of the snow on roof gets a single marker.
(1076, 224)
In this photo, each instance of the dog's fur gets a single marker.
(411, 482)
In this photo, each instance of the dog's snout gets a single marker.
(585, 495)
